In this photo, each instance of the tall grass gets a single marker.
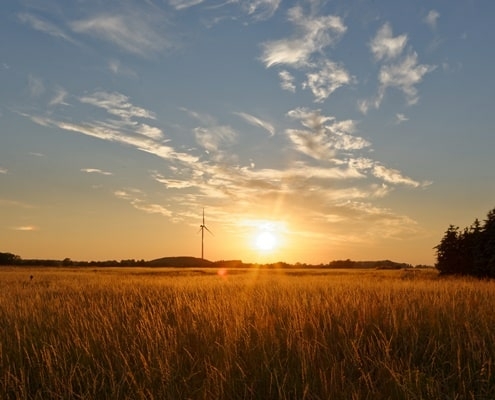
(157, 334)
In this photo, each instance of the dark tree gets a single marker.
(9, 259)
(469, 252)
(448, 251)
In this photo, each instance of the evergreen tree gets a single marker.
(448, 251)
(468, 252)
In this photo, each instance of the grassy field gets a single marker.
(244, 334)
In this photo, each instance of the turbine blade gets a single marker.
(209, 231)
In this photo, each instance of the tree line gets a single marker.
(470, 251)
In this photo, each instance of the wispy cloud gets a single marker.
(116, 67)
(3, 170)
(287, 81)
(255, 121)
(44, 26)
(117, 104)
(138, 200)
(432, 18)
(135, 32)
(305, 50)
(215, 138)
(36, 86)
(313, 34)
(326, 80)
(261, 9)
(393, 176)
(96, 171)
(404, 75)
(385, 46)
(171, 183)
(26, 228)
(400, 118)
(59, 97)
(323, 136)
(402, 72)
(183, 4)
(125, 129)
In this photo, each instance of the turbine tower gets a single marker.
(202, 228)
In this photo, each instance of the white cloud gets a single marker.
(214, 138)
(393, 176)
(171, 183)
(134, 32)
(137, 199)
(96, 171)
(432, 18)
(255, 121)
(287, 81)
(324, 136)
(385, 46)
(44, 26)
(113, 132)
(313, 34)
(183, 4)
(400, 118)
(3, 170)
(149, 131)
(366, 104)
(117, 104)
(325, 81)
(404, 75)
(261, 9)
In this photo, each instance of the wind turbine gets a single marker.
(202, 228)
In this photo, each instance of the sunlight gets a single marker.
(266, 241)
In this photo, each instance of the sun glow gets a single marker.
(266, 241)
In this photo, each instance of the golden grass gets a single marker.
(170, 334)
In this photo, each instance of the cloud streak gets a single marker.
(137, 199)
(96, 171)
(44, 26)
(255, 121)
(26, 228)
(135, 32)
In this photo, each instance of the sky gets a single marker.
(308, 131)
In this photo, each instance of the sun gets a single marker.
(266, 241)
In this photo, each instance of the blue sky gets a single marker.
(345, 129)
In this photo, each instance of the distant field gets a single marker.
(171, 333)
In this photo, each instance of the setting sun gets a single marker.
(266, 241)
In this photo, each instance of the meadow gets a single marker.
(142, 333)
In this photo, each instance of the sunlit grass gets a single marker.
(170, 334)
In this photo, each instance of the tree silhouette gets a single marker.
(468, 252)
(8, 259)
